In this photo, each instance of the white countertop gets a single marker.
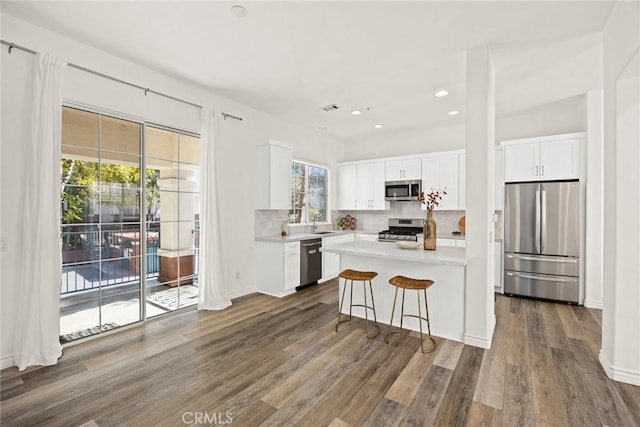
(389, 250)
(303, 236)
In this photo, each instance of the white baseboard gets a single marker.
(593, 304)
(237, 293)
(618, 374)
(6, 362)
(482, 342)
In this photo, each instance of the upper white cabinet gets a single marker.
(542, 159)
(361, 186)
(440, 172)
(404, 169)
(347, 187)
(273, 176)
(370, 185)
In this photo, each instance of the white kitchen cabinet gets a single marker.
(331, 262)
(440, 172)
(277, 267)
(499, 179)
(361, 186)
(273, 176)
(404, 169)
(497, 266)
(560, 159)
(347, 187)
(370, 186)
(542, 159)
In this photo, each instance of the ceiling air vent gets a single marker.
(330, 107)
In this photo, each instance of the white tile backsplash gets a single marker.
(269, 223)
(447, 221)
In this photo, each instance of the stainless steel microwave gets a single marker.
(396, 191)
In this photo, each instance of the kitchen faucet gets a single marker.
(315, 217)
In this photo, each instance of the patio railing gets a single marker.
(105, 258)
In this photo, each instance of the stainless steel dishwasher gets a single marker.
(310, 262)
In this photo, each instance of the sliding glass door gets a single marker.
(100, 202)
(173, 195)
(129, 232)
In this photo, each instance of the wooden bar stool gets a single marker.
(361, 276)
(417, 285)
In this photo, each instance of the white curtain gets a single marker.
(36, 339)
(213, 290)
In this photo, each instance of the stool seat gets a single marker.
(409, 283)
(357, 275)
(404, 283)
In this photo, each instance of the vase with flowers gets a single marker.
(430, 200)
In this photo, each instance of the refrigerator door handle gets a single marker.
(557, 260)
(546, 278)
(537, 242)
(543, 232)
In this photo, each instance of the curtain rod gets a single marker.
(115, 79)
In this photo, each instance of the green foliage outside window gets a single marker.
(308, 193)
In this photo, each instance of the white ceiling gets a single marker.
(384, 57)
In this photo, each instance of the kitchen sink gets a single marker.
(322, 232)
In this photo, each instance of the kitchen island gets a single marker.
(445, 266)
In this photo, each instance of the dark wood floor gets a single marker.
(279, 362)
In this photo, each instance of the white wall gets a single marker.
(594, 200)
(411, 141)
(620, 354)
(564, 116)
(234, 150)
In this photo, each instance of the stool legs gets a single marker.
(366, 309)
(344, 290)
(365, 305)
(419, 317)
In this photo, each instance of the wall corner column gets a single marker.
(480, 143)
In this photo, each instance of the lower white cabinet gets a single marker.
(331, 262)
(497, 266)
(277, 267)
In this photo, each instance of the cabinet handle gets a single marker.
(542, 169)
(536, 170)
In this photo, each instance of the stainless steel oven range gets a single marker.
(401, 229)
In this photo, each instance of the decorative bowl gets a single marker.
(408, 245)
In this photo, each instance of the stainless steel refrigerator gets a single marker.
(542, 240)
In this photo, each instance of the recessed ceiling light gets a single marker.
(356, 112)
(238, 10)
(441, 93)
(453, 113)
(378, 126)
